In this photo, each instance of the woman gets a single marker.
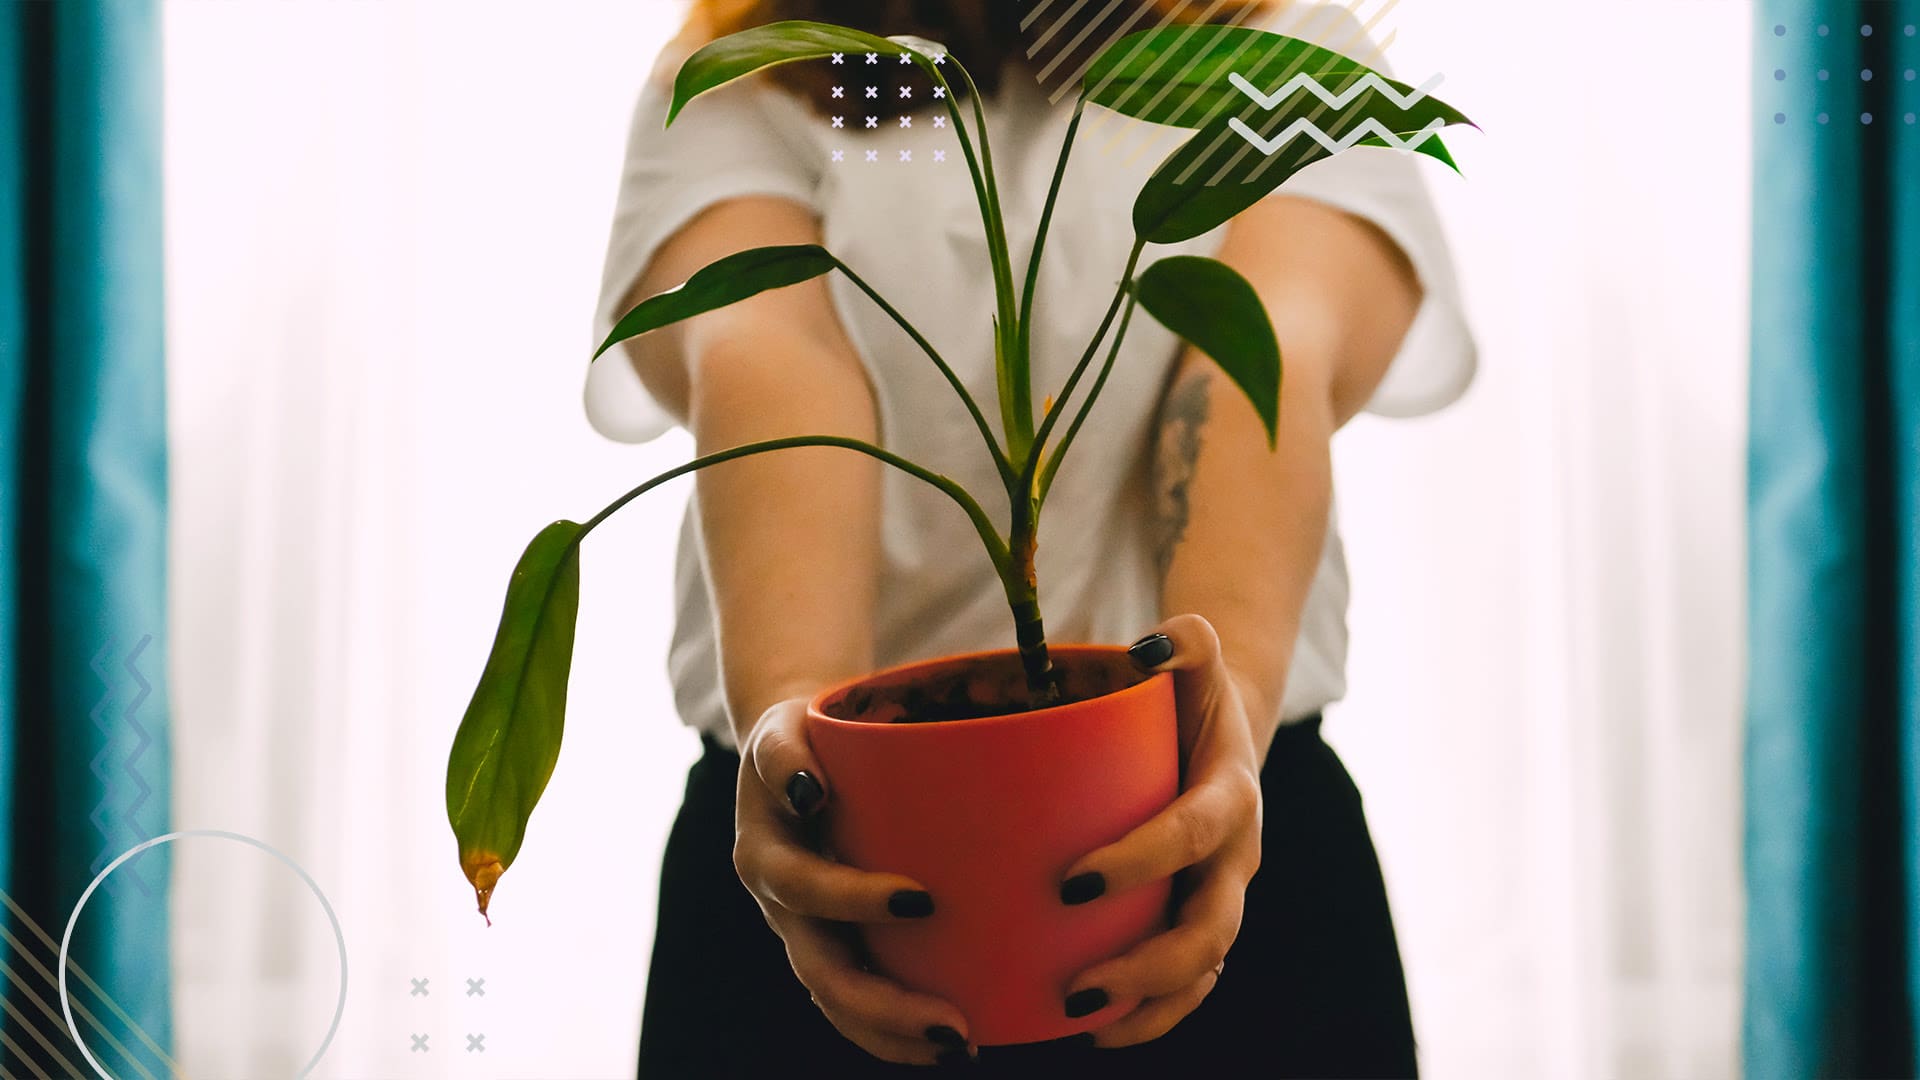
(801, 569)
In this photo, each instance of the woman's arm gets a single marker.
(794, 532)
(1241, 530)
(791, 543)
(1241, 527)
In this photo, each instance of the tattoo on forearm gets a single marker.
(1182, 415)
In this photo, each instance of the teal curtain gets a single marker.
(83, 637)
(1833, 745)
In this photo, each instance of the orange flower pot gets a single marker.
(988, 813)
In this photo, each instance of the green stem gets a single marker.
(1040, 236)
(1032, 466)
(1043, 687)
(1086, 406)
(996, 547)
(1014, 382)
(1000, 461)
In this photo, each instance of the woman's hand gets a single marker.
(804, 897)
(1211, 832)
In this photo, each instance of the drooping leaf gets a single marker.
(1183, 76)
(1210, 305)
(726, 281)
(509, 740)
(1220, 171)
(748, 51)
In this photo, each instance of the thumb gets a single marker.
(778, 750)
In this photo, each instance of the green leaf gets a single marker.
(1182, 75)
(1179, 75)
(1214, 308)
(748, 51)
(509, 739)
(727, 281)
(1218, 173)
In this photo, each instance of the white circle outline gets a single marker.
(66, 939)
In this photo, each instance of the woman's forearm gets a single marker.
(790, 539)
(1241, 527)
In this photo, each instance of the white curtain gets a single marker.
(385, 226)
(1549, 583)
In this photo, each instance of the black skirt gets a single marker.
(1312, 987)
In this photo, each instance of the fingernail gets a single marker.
(1086, 1002)
(804, 792)
(910, 904)
(1084, 1039)
(946, 1036)
(1081, 888)
(1151, 651)
(953, 1057)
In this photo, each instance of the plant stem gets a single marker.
(1000, 461)
(996, 548)
(1014, 382)
(1043, 683)
(1040, 236)
(1125, 289)
(1086, 406)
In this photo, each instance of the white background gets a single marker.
(385, 224)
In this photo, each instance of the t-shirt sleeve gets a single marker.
(1437, 358)
(746, 138)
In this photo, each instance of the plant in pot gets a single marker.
(982, 776)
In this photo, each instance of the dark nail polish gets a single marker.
(804, 792)
(1084, 1040)
(1081, 888)
(1086, 1002)
(950, 1058)
(1151, 651)
(943, 1035)
(910, 904)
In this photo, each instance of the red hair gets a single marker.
(985, 35)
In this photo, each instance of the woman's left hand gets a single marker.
(1212, 832)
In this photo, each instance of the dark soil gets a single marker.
(987, 689)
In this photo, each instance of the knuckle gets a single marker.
(745, 862)
(829, 993)
(1244, 795)
(1191, 835)
(1219, 941)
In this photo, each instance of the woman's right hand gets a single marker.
(803, 895)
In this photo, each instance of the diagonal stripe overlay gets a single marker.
(22, 1023)
(87, 981)
(20, 981)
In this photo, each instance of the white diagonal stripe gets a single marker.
(1034, 14)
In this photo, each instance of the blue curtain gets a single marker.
(1833, 744)
(83, 637)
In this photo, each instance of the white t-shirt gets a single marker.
(906, 221)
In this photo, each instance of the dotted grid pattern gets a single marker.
(1809, 86)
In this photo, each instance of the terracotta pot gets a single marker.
(989, 813)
